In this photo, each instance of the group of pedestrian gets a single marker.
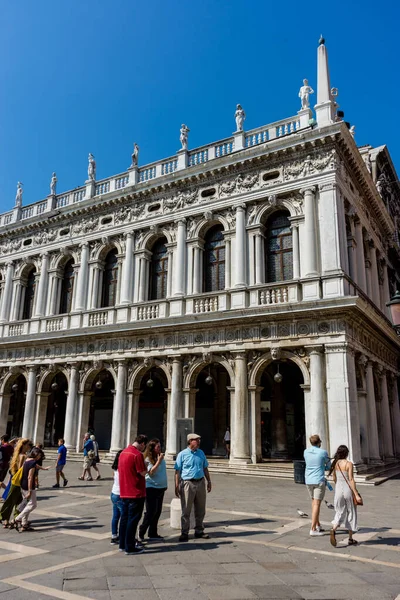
(347, 497)
(91, 457)
(140, 482)
(23, 460)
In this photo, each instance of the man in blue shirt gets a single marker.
(88, 456)
(60, 464)
(191, 467)
(317, 462)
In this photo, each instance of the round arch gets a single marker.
(266, 211)
(135, 379)
(263, 361)
(189, 380)
(205, 225)
(10, 378)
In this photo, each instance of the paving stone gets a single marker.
(205, 568)
(86, 583)
(181, 594)
(265, 578)
(275, 592)
(214, 579)
(156, 569)
(247, 567)
(174, 581)
(228, 592)
(135, 595)
(129, 583)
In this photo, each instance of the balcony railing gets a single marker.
(166, 166)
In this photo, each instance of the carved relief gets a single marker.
(86, 225)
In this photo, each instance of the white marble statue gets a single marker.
(304, 94)
(135, 155)
(18, 197)
(184, 136)
(240, 116)
(53, 185)
(91, 168)
(352, 130)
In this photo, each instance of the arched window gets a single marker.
(279, 248)
(27, 311)
(67, 287)
(214, 260)
(110, 279)
(159, 271)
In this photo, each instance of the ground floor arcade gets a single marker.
(272, 400)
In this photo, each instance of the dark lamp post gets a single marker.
(394, 306)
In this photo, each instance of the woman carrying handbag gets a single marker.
(346, 495)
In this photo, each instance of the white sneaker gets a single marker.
(315, 533)
(319, 528)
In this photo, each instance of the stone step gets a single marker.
(280, 470)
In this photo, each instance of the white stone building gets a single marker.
(181, 288)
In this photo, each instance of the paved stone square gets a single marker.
(259, 547)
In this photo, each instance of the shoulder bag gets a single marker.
(357, 501)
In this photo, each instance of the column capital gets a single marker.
(308, 190)
(180, 221)
(239, 354)
(315, 349)
(327, 187)
(10, 263)
(240, 207)
(32, 368)
(74, 364)
(84, 245)
(128, 235)
(340, 347)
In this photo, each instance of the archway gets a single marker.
(282, 411)
(16, 407)
(55, 413)
(101, 408)
(152, 419)
(212, 408)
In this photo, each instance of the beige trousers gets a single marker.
(193, 493)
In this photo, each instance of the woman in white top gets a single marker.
(227, 442)
(345, 491)
(116, 502)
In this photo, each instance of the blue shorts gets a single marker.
(59, 468)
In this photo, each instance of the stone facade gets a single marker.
(117, 302)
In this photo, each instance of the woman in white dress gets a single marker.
(345, 491)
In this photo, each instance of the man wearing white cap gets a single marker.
(191, 467)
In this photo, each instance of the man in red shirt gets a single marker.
(132, 483)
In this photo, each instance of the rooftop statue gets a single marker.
(91, 168)
(135, 155)
(18, 197)
(304, 94)
(240, 116)
(53, 185)
(184, 137)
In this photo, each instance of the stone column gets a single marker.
(259, 260)
(119, 409)
(228, 263)
(127, 272)
(83, 417)
(42, 400)
(175, 405)
(332, 228)
(95, 278)
(4, 410)
(17, 300)
(395, 410)
(296, 251)
(30, 404)
(317, 420)
(71, 412)
(179, 272)
(386, 421)
(240, 249)
(374, 295)
(197, 287)
(171, 264)
(309, 244)
(361, 277)
(42, 287)
(363, 409)
(7, 293)
(82, 284)
(255, 423)
(385, 289)
(240, 451)
(190, 403)
(343, 416)
(133, 415)
(372, 417)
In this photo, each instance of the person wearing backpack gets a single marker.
(6, 452)
(28, 489)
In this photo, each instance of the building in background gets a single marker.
(242, 283)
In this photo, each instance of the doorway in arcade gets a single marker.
(282, 411)
(101, 409)
(212, 412)
(153, 406)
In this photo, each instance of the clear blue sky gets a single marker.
(82, 76)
